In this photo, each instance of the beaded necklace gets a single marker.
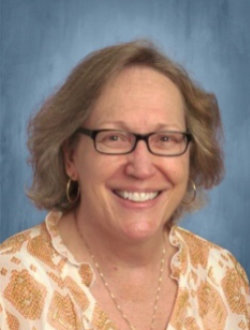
(113, 297)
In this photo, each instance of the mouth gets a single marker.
(137, 197)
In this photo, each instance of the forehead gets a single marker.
(138, 91)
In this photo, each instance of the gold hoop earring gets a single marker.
(72, 188)
(194, 194)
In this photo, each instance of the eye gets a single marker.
(115, 137)
(164, 138)
(112, 137)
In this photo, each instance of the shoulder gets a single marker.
(19, 242)
(217, 261)
(15, 243)
(36, 279)
(26, 250)
(216, 267)
(215, 278)
(208, 254)
(26, 261)
(35, 243)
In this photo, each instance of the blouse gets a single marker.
(42, 286)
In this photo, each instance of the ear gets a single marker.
(68, 158)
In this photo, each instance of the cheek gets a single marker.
(95, 169)
(178, 170)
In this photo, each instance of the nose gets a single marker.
(140, 162)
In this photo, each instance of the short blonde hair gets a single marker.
(63, 113)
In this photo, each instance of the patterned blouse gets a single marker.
(43, 287)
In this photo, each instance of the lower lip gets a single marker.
(138, 205)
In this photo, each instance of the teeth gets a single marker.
(137, 196)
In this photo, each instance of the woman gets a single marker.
(124, 148)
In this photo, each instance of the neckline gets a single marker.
(51, 222)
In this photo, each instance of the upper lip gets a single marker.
(139, 190)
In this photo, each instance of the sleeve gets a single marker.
(236, 289)
(7, 319)
(3, 318)
(245, 288)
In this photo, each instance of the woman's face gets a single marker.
(138, 100)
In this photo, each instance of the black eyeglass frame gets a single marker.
(145, 137)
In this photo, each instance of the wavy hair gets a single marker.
(63, 113)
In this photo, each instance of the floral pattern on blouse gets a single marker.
(42, 286)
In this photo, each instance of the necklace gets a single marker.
(112, 296)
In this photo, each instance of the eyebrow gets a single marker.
(122, 125)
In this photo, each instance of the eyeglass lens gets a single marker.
(162, 143)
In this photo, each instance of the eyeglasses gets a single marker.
(117, 142)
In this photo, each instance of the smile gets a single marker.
(137, 196)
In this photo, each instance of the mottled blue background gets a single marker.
(41, 40)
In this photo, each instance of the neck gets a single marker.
(121, 251)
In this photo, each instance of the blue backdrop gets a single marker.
(41, 40)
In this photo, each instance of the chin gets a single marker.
(141, 230)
